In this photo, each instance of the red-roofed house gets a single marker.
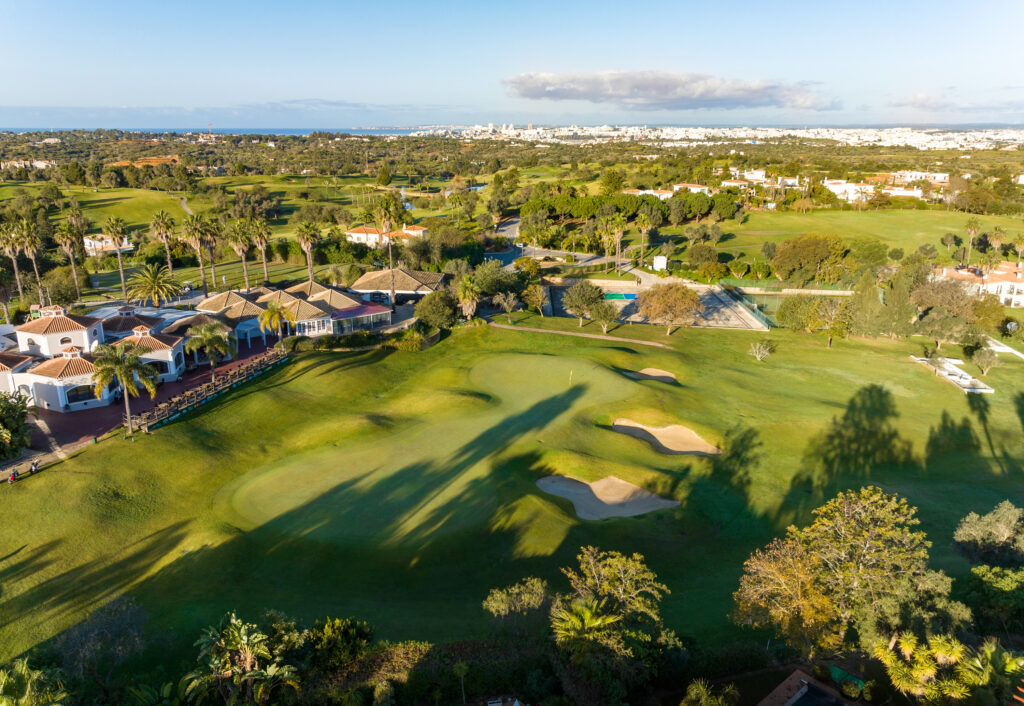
(1006, 281)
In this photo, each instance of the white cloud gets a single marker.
(663, 90)
(922, 101)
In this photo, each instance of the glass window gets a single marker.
(65, 340)
(80, 394)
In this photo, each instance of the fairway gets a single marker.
(402, 487)
(411, 482)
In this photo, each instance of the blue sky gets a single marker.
(340, 64)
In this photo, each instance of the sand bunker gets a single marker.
(673, 439)
(608, 497)
(652, 374)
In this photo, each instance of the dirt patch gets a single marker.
(608, 497)
(673, 439)
(652, 374)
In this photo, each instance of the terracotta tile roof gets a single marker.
(62, 323)
(64, 367)
(361, 310)
(405, 281)
(180, 326)
(10, 361)
(220, 301)
(304, 310)
(276, 296)
(242, 311)
(151, 341)
(363, 230)
(305, 290)
(1004, 272)
(119, 323)
(336, 300)
(415, 229)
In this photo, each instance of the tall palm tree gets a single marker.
(387, 212)
(308, 236)
(972, 227)
(617, 224)
(194, 235)
(469, 296)
(215, 339)
(644, 225)
(11, 247)
(28, 236)
(123, 363)
(259, 234)
(68, 238)
(77, 219)
(238, 239)
(508, 301)
(273, 318)
(162, 228)
(153, 283)
(996, 239)
(214, 231)
(117, 229)
(1018, 245)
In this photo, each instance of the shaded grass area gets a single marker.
(401, 487)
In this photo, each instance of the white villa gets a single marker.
(660, 193)
(1006, 281)
(373, 237)
(100, 245)
(408, 284)
(692, 188)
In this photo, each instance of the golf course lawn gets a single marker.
(401, 487)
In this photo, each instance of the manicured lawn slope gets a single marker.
(401, 487)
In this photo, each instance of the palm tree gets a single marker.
(1018, 245)
(238, 239)
(68, 238)
(162, 228)
(993, 669)
(926, 671)
(28, 237)
(11, 246)
(123, 363)
(508, 301)
(215, 339)
(212, 233)
(617, 224)
(154, 283)
(972, 227)
(469, 296)
(700, 693)
(230, 655)
(386, 213)
(274, 316)
(461, 669)
(259, 234)
(194, 232)
(644, 225)
(20, 685)
(308, 236)
(996, 239)
(117, 229)
(577, 625)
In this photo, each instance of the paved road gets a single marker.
(185, 206)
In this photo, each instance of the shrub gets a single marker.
(873, 692)
(296, 344)
(336, 642)
(821, 673)
(410, 341)
(437, 309)
(850, 689)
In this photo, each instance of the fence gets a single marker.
(191, 399)
(774, 286)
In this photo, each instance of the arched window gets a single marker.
(65, 341)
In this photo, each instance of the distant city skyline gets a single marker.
(323, 65)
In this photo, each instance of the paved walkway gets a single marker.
(1000, 347)
(580, 334)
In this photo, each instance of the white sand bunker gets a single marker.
(652, 374)
(673, 439)
(608, 497)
